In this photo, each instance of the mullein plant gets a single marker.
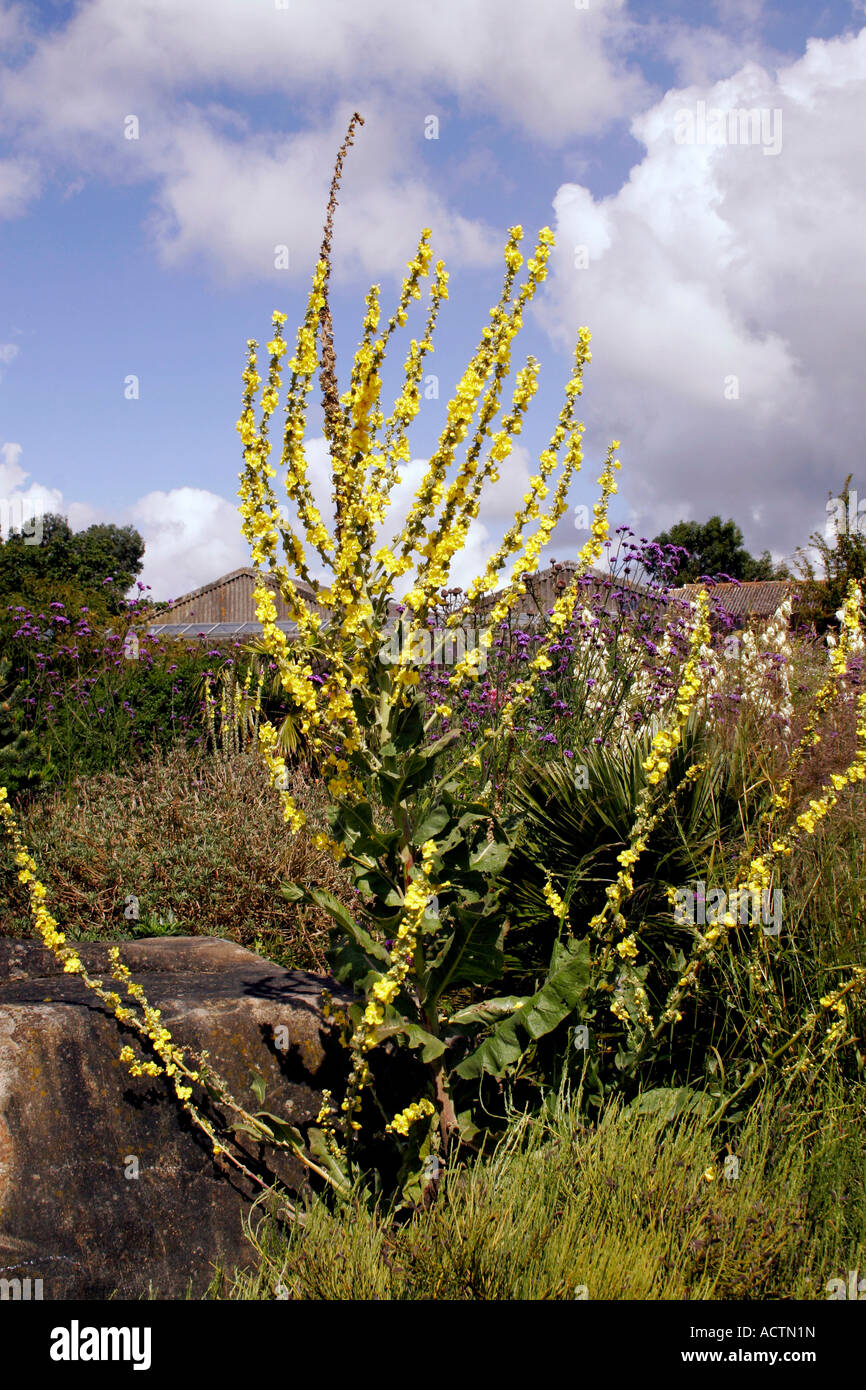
(825, 1029)
(425, 860)
(239, 709)
(429, 923)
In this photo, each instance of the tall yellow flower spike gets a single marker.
(341, 628)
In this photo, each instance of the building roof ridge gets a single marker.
(236, 574)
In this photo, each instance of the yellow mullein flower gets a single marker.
(553, 900)
(417, 1111)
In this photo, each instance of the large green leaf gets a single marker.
(361, 836)
(669, 1102)
(409, 733)
(281, 1130)
(293, 892)
(560, 994)
(491, 858)
(417, 771)
(432, 825)
(474, 955)
(350, 965)
(322, 1154)
(489, 1011)
(444, 742)
(431, 1046)
(343, 917)
(373, 882)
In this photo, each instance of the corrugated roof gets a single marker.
(217, 631)
(244, 571)
(545, 586)
(755, 598)
(230, 599)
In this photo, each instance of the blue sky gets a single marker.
(722, 279)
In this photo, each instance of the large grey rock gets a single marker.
(72, 1119)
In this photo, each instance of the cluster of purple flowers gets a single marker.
(614, 666)
(73, 673)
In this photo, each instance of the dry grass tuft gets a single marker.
(199, 841)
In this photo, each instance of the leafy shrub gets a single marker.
(24, 761)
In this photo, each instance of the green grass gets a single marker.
(623, 1210)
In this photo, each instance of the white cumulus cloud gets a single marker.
(225, 192)
(191, 536)
(723, 286)
(19, 185)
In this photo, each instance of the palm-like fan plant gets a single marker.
(571, 829)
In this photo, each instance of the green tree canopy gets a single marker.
(84, 559)
(716, 547)
(842, 558)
